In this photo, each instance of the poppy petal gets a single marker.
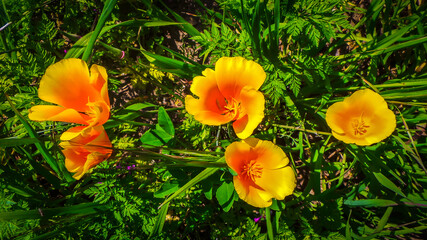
(251, 194)
(209, 108)
(252, 103)
(236, 155)
(98, 79)
(89, 147)
(336, 115)
(285, 176)
(56, 113)
(204, 112)
(66, 83)
(73, 133)
(382, 126)
(268, 154)
(234, 73)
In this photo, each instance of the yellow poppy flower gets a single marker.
(229, 94)
(262, 171)
(362, 119)
(88, 147)
(81, 95)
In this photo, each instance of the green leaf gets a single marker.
(160, 221)
(165, 122)
(384, 220)
(224, 193)
(207, 189)
(40, 146)
(387, 183)
(84, 209)
(186, 26)
(202, 175)
(162, 134)
(79, 47)
(392, 38)
(166, 189)
(106, 11)
(127, 115)
(156, 137)
(370, 203)
(170, 65)
(12, 142)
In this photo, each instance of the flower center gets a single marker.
(252, 170)
(98, 113)
(359, 126)
(232, 108)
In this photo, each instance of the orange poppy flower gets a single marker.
(229, 94)
(84, 147)
(362, 119)
(262, 171)
(81, 95)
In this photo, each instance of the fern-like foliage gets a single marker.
(310, 22)
(223, 42)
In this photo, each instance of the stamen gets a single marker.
(233, 107)
(252, 170)
(359, 126)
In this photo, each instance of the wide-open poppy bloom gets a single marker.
(262, 171)
(84, 147)
(229, 94)
(81, 95)
(363, 118)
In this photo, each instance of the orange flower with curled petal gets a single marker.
(262, 171)
(81, 95)
(84, 147)
(229, 94)
(362, 119)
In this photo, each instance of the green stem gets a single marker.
(269, 226)
(303, 130)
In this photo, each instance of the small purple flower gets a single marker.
(257, 219)
(132, 167)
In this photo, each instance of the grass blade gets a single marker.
(370, 203)
(387, 183)
(79, 47)
(160, 221)
(202, 175)
(384, 220)
(12, 142)
(106, 11)
(40, 146)
(186, 26)
(84, 208)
